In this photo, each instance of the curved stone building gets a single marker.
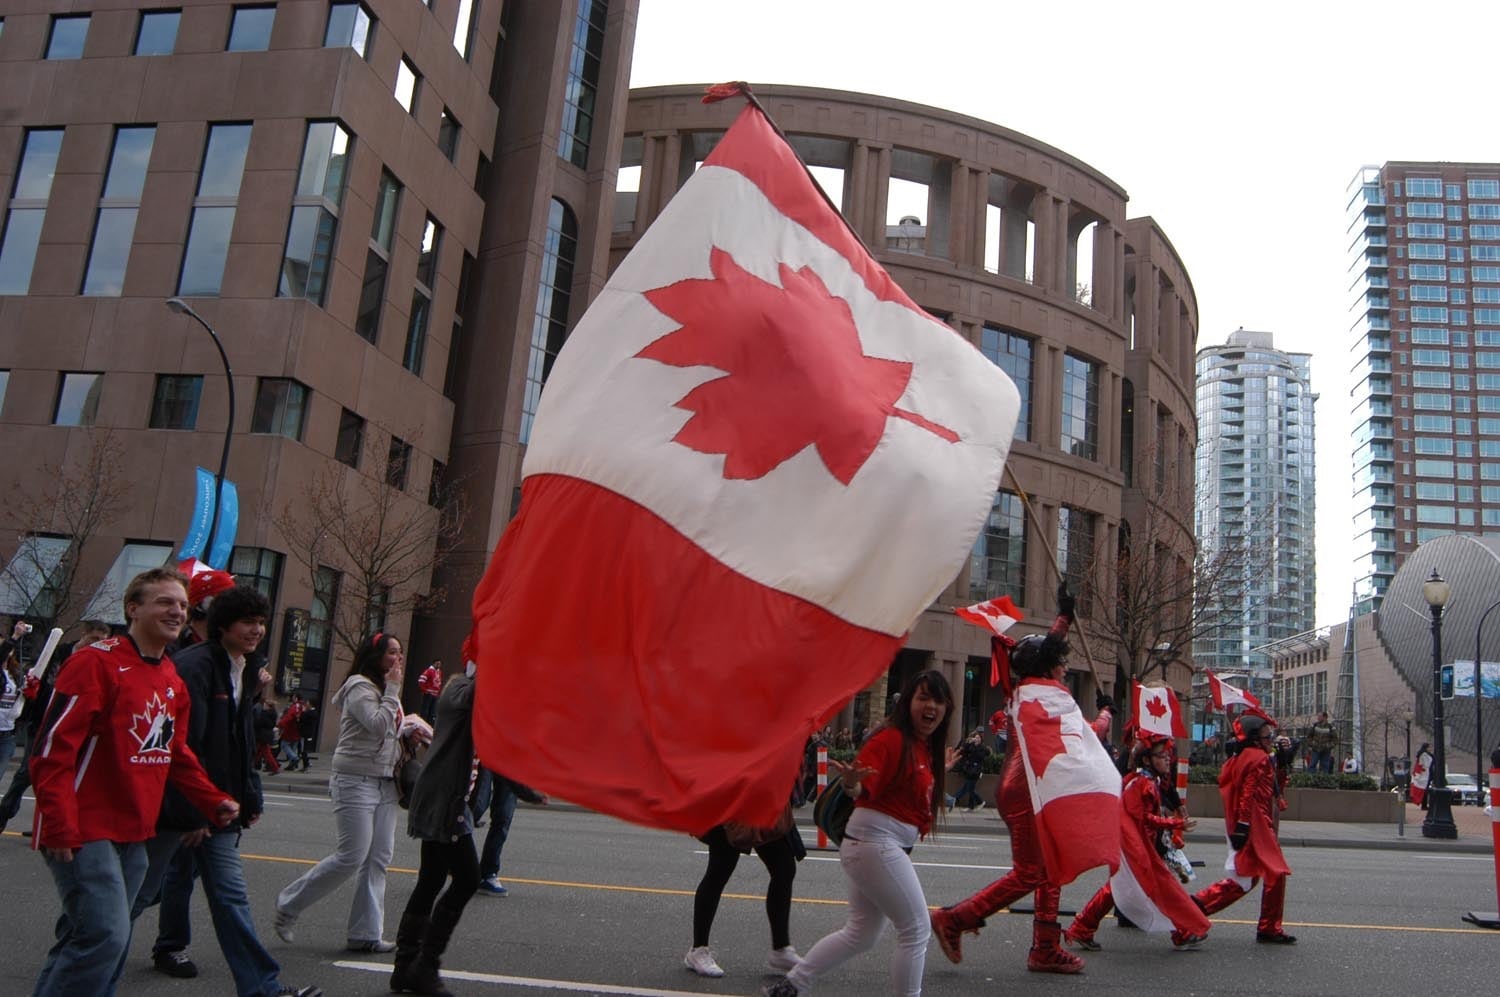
(1028, 253)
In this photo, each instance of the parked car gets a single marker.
(1464, 789)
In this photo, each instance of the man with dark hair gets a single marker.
(222, 678)
(114, 735)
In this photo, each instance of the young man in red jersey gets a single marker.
(114, 734)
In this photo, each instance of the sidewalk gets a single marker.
(1474, 835)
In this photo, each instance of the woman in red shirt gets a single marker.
(897, 797)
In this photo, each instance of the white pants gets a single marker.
(365, 810)
(883, 887)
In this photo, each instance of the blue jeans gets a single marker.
(502, 809)
(169, 882)
(291, 751)
(93, 931)
(969, 791)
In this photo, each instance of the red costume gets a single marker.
(1150, 894)
(1248, 786)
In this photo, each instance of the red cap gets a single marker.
(207, 584)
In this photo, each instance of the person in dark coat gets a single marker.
(439, 815)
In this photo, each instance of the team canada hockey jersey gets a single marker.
(115, 732)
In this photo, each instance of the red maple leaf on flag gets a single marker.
(1156, 708)
(795, 372)
(1043, 736)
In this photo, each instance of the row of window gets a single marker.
(1434, 187)
(997, 563)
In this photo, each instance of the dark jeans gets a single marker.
(969, 790)
(1322, 761)
(722, 859)
(502, 809)
(10, 804)
(442, 861)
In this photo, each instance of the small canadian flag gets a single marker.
(997, 615)
(1158, 711)
(1226, 695)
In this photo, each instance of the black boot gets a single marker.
(423, 977)
(408, 944)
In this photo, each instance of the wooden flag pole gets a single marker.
(1083, 639)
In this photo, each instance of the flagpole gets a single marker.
(1088, 656)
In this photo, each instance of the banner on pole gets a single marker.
(1463, 678)
(203, 514)
(229, 524)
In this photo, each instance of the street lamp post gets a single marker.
(1479, 778)
(183, 308)
(1439, 822)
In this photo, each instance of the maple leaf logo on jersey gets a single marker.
(152, 727)
(795, 372)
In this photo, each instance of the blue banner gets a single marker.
(203, 513)
(229, 524)
(1463, 675)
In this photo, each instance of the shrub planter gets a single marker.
(1350, 806)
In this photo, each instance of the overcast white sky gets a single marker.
(1237, 126)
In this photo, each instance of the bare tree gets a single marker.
(54, 526)
(385, 543)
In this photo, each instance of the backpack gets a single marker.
(832, 810)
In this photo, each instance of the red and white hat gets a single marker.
(204, 582)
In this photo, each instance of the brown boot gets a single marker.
(1046, 955)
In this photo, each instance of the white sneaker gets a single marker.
(783, 960)
(701, 961)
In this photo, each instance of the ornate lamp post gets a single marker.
(1439, 822)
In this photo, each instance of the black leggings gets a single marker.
(440, 860)
(722, 858)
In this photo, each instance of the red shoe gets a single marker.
(1184, 941)
(1079, 940)
(945, 925)
(1053, 961)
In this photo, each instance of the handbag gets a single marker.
(407, 770)
(832, 811)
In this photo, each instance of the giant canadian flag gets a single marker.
(1075, 787)
(756, 461)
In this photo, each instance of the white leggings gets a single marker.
(883, 887)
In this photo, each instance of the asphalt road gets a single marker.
(600, 907)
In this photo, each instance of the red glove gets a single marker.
(32, 687)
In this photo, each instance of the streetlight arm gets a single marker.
(183, 308)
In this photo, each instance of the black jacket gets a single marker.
(439, 809)
(220, 735)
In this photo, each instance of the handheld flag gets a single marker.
(755, 463)
(1075, 787)
(1158, 711)
(1226, 695)
(996, 615)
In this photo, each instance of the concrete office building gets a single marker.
(390, 213)
(1426, 349)
(1255, 492)
(1029, 254)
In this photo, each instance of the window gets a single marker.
(351, 439)
(1424, 209)
(549, 325)
(997, 565)
(107, 602)
(375, 608)
(1484, 212)
(583, 82)
(398, 463)
(67, 37)
(1490, 232)
(213, 210)
(406, 85)
(325, 600)
(463, 27)
(157, 32)
(1012, 354)
(250, 29)
(1484, 188)
(28, 206)
(4, 383)
(1075, 550)
(258, 568)
(77, 399)
(115, 226)
(1428, 292)
(29, 585)
(421, 298)
(448, 135)
(315, 213)
(1423, 187)
(349, 24)
(175, 403)
(280, 406)
(460, 307)
(372, 294)
(1080, 407)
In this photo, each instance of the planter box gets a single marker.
(1345, 805)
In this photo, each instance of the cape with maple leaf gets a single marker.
(755, 462)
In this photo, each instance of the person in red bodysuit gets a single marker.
(1142, 825)
(1034, 657)
(1249, 786)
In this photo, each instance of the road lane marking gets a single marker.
(535, 983)
(919, 865)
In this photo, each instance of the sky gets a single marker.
(1238, 127)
